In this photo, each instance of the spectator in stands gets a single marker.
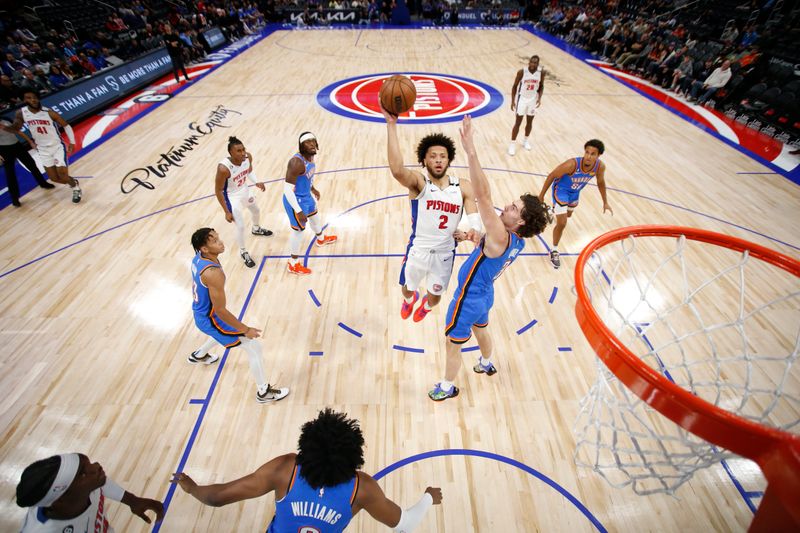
(729, 34)
(712, 84)
(12, 47)
(750, 35)
(114, 24)
(57, 78)
(684, 69)
(637, 51)
(24, 34)
(13, 67)
(97, 60)
(53, 52)
(69, 49)
(9, 93)
(30, 82)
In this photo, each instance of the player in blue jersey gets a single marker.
(320, 488)
(211, 315)
(568, 179)
(500, 246)
(300, 200)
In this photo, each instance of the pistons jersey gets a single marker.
(529, 86)
(43, 129)
(435, 215)
(238, 178)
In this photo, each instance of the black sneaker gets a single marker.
(47, 185)
(272, 395)
(248, 261)
(489, 369)
(207, 359)
(554, 258)
(261, 231)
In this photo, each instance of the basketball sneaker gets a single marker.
(297, 268)
(76, 193)
(207, 359)
(527, 145)
(328, 239)
(271, 395)
(437, 394)
(489, 369)
(258, 230)
(421, 312)
(512, 148)
(554, 258)
(248, 261)
(406, 308)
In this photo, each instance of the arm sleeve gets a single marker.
(113, 491)
(475, 222)
(288, 193)
(70, 134)
(411, 517)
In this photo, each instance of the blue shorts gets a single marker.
(307, 204)
(217, 329)
(565, 197)
(465, 313)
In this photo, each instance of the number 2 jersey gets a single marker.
(435, 215)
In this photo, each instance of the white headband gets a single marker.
(307, 137)
(66, 475)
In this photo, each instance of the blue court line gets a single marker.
(313, 296)
(197, 400)
(350, 330)
(470, 349)
(757, 173)
(745, 495)
(357, 38)
(407, 349)
(564, 349)
(553, 295)
(201, 415)
(502, 459)
(773, 239)
(526, 327)
(755, 494)
(792, 175)
(314, 354)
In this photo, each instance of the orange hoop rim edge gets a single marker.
(777, 452)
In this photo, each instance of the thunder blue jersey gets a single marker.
(324, 510)
(202, 301)
(570, 185)
(302, 188)
(476, 276)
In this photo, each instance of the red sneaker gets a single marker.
(406, 308)
(420, 313)
(327, 239)
(297, 268)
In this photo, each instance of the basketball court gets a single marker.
(98, 323)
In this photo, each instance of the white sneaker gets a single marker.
(271, 394)
(527, 145)
(512, 148)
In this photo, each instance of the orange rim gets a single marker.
(777, 452)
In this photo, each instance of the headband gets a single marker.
(66, 475)
(307, 137)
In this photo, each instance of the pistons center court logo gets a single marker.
(440, 98)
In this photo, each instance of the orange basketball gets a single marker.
(397, 94)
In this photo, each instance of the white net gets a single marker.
(716, 322)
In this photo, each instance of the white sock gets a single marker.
(554, 248)
(484, 362)
(253, 349)
(295, 241)
(409, 299)
(205, 348)
(525, 139)
(427, 305)
(445, 385)
(255, 214)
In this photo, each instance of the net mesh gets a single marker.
(714, 321)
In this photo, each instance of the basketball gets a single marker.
(397, 94)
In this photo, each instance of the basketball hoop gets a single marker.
(707, 336)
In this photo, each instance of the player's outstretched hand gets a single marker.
(436, 494)
(459, 235)
(474, 237)
(607, 207)
(228, 216)
(252, 333)
(316, 194)
(183, 481)
(466, 134)
(139, 506)
(261, 187)
(301, 217)
(391, 118)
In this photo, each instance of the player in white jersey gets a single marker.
(42, 123)
(526, 96)
(231, 186)
(438, 202)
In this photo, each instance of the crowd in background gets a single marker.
(48, 59)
